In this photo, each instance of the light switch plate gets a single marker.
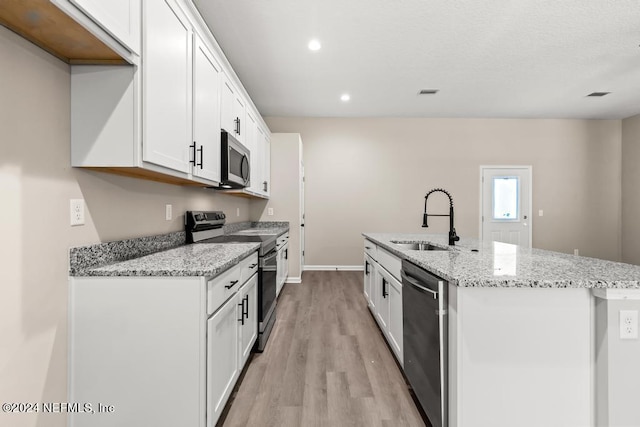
(168, 212)
(270, 211)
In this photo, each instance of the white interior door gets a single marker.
(302, 219)
(506, 204)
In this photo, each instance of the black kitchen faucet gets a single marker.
(453, 237)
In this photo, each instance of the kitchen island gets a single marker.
(533, 337)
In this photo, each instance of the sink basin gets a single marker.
(416, 246)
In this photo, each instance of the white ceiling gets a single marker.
(487, 58)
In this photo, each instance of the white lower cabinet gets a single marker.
(282, 271)
(394, 318)
(249, 312)
(159, 351)
(382, 312)
(223, 330)
(383, 292)
(369, 281)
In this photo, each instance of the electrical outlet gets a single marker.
(540, 213)
(237, 211)
(76, 208)
(576, 252)
(629, 324)
(270, 211)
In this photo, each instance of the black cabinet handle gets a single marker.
(201, 151)
(286, 253)
(193, 147)
(231, 284)
(366, 268)
(245, 313)
(241, 319)
(252, 266)
(265, 186)
(384, 288)
(239, 126)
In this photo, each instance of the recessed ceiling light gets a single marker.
(345, 97)
(428, 92)
(599, 93)
(314, 45)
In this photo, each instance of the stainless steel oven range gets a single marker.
(206, 227)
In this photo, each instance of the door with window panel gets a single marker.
(506, 205)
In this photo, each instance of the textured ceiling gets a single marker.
(520, 58)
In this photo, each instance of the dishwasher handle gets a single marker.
(413, 282)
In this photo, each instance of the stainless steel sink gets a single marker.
(417, 246)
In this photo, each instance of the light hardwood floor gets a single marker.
(326, 363)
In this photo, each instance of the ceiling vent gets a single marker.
(598, 94)
(428, 92)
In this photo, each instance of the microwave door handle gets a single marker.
(244, 168)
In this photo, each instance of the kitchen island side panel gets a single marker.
(521, 356)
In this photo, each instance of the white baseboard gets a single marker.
(333, 268)
(294, 280)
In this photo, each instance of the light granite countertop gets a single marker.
(471, 263)
(199, 259)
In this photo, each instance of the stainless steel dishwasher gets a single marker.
(425, 335)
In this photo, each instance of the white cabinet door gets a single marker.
(222, 354)
(375, 287)
(205, 151)
(120, 18)
(227, 99)
(368, 279)
(382, 306)
(232, 110)
(395, 317)
(239, 111)
(285, 263)
(167, 85)
(280, 271)
(251, 142)
(265, 162)
(249, 314)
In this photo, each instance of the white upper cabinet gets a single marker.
(161, 118)
(266, 164)
(233, 110)
(251, 142)
(119, 18)
(239, 111)
(227, 99)
(206, 113)
(166, 87)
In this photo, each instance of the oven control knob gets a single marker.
(222, 216)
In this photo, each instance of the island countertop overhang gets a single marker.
(472, 263)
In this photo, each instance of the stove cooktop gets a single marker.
(268, 241)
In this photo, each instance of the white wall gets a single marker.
(36, 183)
(630, 193)
(286, 151)
(371, 175)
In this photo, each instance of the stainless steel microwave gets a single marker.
(235, 169)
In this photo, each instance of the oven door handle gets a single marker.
(272, 254)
